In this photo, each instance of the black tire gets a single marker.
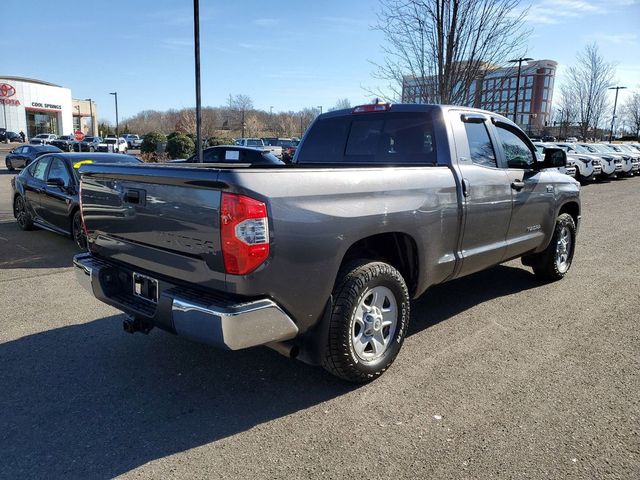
(23, 217)
(77, 231)
(546, 264)
(352, 289)
(9, 165)
(91, 149)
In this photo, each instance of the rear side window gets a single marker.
(480, 147)
(388, 138)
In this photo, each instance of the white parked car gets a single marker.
(133, 141)
(624, 158)
(43, 139)
(611, 164)
(635, 156)
(111, 144)
(588, 167)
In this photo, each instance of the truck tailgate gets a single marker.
(155, 219)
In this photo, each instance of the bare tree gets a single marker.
(565, 110)
(186, 121)
(588, 81)
(441, 47)
(240, 102)
(631, 111)
(341, 104)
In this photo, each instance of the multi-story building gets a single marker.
(495, 90)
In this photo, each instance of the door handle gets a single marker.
(517, 185)
(465, 187)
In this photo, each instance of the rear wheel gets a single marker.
(368, 323)
(9, 165)
(77, 231)
(555, 261)
(23, 217)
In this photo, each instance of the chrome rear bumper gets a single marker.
(189, 313)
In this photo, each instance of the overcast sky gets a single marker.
(283, 53)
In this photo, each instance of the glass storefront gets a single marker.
(41, 122)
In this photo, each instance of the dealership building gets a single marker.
(34, 106)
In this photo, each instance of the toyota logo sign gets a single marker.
(7, 90)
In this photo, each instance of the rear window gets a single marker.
(376, 138)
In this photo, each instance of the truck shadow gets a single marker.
(89, 401)
(442, 302)
(33, 249)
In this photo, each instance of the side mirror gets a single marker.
(553, 158)
(55, 182)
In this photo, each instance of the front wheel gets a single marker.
(368, 323)
(23, 217)
(9, 165)
(554, 262)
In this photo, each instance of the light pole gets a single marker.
(116, 97)
(615, 104)
(4, 111)
(91, 113)
(196, 42)
(271, 118)
(519, 62)
(79, 118)
(320, 108)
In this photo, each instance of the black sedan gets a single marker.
(22, 156)
(9, 137)
(45, 194)
(235, 154)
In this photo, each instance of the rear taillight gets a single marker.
(244, 232)
(84, 226)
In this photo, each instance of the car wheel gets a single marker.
(555, 261)
(9, 165)
(77, 231)
(23, 217)
(368, 323)
(91, 149)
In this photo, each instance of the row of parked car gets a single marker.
(68, 143)
(597, 161)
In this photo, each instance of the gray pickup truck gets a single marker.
(320, 259)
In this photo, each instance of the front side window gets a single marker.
(59, 170)
(480, 146)
(40, 169)
(516, 151)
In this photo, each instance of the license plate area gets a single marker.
(145, 287)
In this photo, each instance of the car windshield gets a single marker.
(110, 140)
(64, 137)
(88, 139)
(254, 143)
(42, 135)
(286, 143)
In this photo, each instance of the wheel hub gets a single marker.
(373, 321)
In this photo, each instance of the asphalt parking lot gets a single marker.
(500, 377)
